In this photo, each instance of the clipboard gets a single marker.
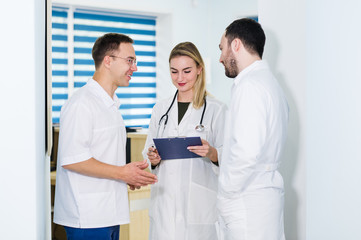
(176, 148)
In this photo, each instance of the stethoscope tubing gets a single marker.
(199, 127)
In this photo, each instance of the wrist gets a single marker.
(153, 166)
(119, 173)
(213, 156)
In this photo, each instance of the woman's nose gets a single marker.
(180, 77)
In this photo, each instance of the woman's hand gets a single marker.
(153, 156)
(205, 150)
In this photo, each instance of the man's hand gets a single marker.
(134, 175)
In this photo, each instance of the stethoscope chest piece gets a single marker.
(200, 128)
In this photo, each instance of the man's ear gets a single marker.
(106, 61)
(236, 45)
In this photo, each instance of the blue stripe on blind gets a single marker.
(83, 50)
(83, 65)
(82, 73)
(89, 51)
(91, 62)
(84, 61)
(113, 29)
(92, 40)
(60, 26)
(142, 85)
(111, 13)
(59, 61)
(144, 43)
(79, 84)
(136, 126)
(59, 38)
(113, 18)
(136, 95)
(146, 64)
(63, 14)
(145, 53)
(56, 108)
(132, 106)
(60, 96)
(138, 116)
(60, 49)
(60, 73)
(144, 74)
(59, 84)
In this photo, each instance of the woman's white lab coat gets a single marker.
(183, 201)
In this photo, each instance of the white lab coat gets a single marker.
(251, 192)
(183, 201)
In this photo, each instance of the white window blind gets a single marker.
(74, 32)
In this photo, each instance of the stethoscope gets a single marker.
(200, 127)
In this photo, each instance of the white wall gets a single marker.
(220, 15)
(285, 50)
(314, 48)
(333, 120)
(24, 178)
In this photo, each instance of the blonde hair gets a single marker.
(199, 89)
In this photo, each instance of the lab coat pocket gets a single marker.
(202, 205)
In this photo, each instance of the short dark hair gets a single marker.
(107, 43)
(249, 32)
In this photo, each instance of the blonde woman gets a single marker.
(183, 202)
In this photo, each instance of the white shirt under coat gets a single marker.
(183, 201)
(251, 192)
(91, 126)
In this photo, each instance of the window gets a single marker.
(74, 32)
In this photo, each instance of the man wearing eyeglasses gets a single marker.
(91, 198)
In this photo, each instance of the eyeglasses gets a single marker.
(130, 61)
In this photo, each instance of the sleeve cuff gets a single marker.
(76, 159)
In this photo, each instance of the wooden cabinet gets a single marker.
(138, 228)
(137, 141)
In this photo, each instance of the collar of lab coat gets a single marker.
(242, 74)
(174, 113)
(101, 93)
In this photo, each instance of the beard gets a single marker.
(231, 68)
